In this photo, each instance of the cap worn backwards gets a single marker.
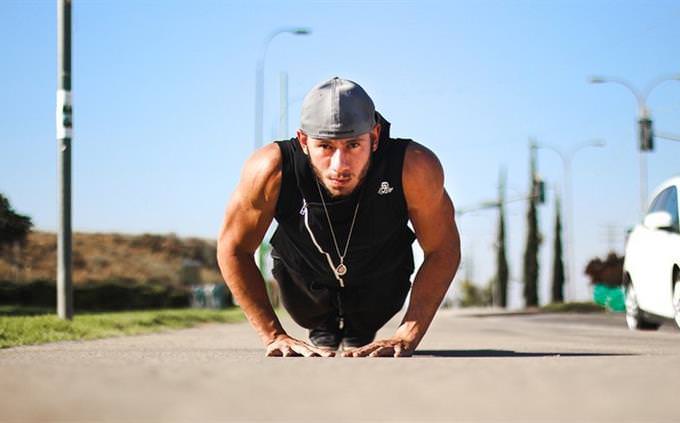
(337, 108)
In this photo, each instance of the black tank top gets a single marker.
(381, 240)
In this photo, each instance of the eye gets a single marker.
(325, 146)
(354, 145)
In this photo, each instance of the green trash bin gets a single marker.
(610, 297)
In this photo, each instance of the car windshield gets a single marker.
(671, 206)
(659, 202)
(667, 201)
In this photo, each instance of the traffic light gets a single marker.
(646, 134)
(539, 190)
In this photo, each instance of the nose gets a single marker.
(339, 161)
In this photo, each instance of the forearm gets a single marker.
(248, 288)
(429, 287)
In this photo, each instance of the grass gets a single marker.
(20, 326)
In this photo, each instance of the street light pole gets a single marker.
(568, 197)
(643, 117)
(259, 107)
(283, 105)
(259, 79)
(64, 122)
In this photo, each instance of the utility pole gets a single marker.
(500, 290)
(283, 106)
(567, 159)
(64, 126)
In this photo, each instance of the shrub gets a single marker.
(107, 295)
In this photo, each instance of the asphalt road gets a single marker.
(531, 368)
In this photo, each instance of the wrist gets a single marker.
(409, 334)
(273, 337)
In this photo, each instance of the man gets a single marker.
(342, 193)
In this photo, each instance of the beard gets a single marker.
(362, 176)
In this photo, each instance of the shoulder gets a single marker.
(265, 159)
(422, 168)
(261, 176)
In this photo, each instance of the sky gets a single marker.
(163, 100)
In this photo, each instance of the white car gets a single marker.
(651, 268)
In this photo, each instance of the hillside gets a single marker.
(164, 259)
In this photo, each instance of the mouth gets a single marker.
(339, 182)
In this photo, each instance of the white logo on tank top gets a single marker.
(385, 188)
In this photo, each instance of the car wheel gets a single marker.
(635, 317)
(676, 297)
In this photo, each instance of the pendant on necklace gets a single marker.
(341, 269)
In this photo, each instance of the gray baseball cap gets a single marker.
(337, 108)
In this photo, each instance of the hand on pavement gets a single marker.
(385, 348)
(286, 346)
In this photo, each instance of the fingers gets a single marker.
(354, 352)
(322, 353)
(307, 350)
(281, 350)
(348, 352)
(289, 352)
(273, 353)
(295, 348)
(304, 351)
(367, 350)
(291, 347)
(400, 351)
(383, 352)
(403, 353)
(364, 351)
(379, 349)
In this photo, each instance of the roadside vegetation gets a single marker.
(28, 326)
(575, 307)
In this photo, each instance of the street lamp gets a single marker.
(646, 133)
(259, 106)
(566, 172)
(259, 78)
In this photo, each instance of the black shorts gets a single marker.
(365, 308)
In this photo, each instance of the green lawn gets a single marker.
(20, 326)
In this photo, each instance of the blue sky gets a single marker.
(163, 97)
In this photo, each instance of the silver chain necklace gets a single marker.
(341, 269)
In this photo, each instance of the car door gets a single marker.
(647, 275)
(669, 253)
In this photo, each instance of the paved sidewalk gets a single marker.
(497, 368)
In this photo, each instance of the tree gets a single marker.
(501, 280)
(558, 264)
(14, 228)
(473, 296)
(533, 241)
(608, 272)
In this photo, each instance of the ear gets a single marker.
(302, 138)
(375, 137)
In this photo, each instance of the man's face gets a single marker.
(340, 164)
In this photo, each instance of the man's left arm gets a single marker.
(432, 214)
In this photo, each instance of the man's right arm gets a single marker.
(249, 213)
